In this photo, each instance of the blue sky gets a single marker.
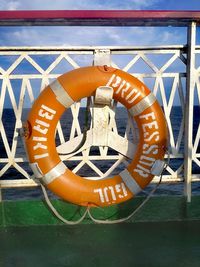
(100, 4)
(90, 35)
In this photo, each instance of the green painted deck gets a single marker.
(165, 232)
(157, 209)
(137, 244)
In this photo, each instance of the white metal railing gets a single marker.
(170, 72)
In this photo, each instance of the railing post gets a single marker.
(190, 84)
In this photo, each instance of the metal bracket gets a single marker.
(100, 134)
(102, 57)
(158, 167)
(100, 115)
(36, 170)
(103, 95)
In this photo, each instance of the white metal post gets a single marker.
(190, 84)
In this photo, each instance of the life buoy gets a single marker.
(61, 94)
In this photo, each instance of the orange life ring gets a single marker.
(61, 94)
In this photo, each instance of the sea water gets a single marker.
(9, 120)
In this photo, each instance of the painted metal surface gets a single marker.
(99, 17)
(146, 244)
(191, 80)
(158, 209)
(71, 57)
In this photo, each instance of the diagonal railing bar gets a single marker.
(173, 91)
(21, 170)
(5, 168)
(75, 124)
(197, 137)
(198, 86)
(5, 141)
(44, 82)
(156, 85)
(55, 63)
(94, 168)
(2, 71)
(181, 129)
(2, 97)
(79, 166)
(71, 61)
(167, 114)
(170, 61)
(114, 64)
(29, 90)
(15, 64)
(112, 123)
(114, 166)
(180, 138)
(174, 173)
(148, 62)
(181, 95)
(103, 151)
(156, 80)
(34, 64)
(18, 124)
(2, 128)
(12, 96)
(196, 141)
(183, 58)
(60, 133)
(163, 95)
(131, 63)
(197, 161)
(170, 104)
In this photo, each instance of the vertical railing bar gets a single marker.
(29, 91)
(190, 84)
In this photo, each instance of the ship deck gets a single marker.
(164, 232)
(136, 244)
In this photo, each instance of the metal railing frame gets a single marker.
(101, 54)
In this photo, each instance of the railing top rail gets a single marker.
(89, 48)
(98, 17)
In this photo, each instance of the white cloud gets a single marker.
(81, 4)
(9, 5)
(60, 36)
(77, 36)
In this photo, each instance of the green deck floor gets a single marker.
(165, 232)
(134, 244)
